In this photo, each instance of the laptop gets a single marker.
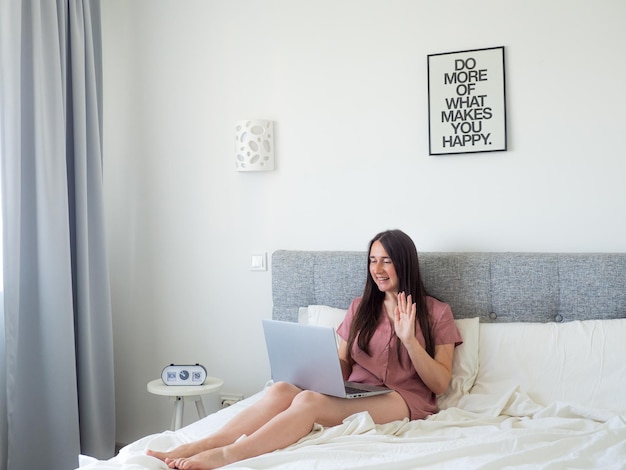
(306, 356)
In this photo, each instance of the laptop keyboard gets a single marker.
(351, 390)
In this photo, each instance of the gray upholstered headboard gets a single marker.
(497, 287)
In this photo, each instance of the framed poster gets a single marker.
(466, 102)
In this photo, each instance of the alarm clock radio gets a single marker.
(183, 374)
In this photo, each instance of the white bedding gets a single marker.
(494, 431)
(559, 404)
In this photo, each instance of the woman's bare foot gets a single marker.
(186, 450)
(207, 460)
(164, 456)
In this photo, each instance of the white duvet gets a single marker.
(496, 431)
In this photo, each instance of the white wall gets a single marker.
(345, 83)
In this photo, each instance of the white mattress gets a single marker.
(490, 431)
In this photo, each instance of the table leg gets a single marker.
(200, 408)
(177, 419)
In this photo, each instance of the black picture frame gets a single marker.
(467, 102)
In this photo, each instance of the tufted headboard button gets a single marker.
(558, 317)
(493, 315)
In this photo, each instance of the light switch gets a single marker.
(258, 262)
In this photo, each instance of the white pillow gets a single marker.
(464, 363)
(578, 362)
(322, 315)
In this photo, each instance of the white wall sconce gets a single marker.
(254, 144)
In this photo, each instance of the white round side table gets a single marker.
(179, 394)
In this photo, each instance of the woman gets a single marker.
(395, 334)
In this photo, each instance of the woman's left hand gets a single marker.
(404, 318)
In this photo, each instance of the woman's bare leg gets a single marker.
(277, 399)
(294, 423)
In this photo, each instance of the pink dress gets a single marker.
(383, 366)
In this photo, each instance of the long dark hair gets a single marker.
(403, 255)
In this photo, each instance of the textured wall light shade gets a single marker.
(254, 144)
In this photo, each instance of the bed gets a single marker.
(537, 383)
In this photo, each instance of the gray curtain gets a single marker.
(56, 367)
